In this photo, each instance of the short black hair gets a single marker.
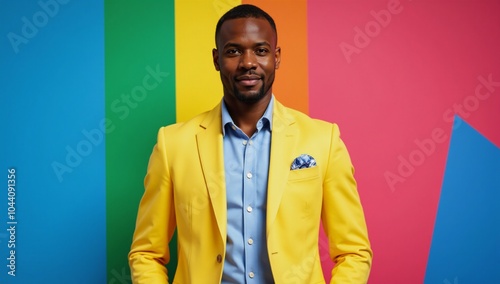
(245, 11)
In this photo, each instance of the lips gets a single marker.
(248, 80)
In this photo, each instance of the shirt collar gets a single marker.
(267, 116)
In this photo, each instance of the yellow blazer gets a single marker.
(185, 189)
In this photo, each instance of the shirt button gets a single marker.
(233, 127)
(250, 241)
(219, 258)
(249, 175)
(250, 142)
(251, 275)
(244, 142)
(249, 209)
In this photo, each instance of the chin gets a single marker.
(250, 97)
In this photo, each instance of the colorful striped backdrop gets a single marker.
(414, 86)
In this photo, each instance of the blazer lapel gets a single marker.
(210, 150)
(282, 144)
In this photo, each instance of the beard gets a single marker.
(250, 98)
(253, 97)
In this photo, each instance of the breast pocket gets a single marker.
(304, 174)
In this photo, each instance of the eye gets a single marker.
(261, 51)
(232, 52)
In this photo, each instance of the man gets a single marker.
(247, 183)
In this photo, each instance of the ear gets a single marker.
(277, 57)
(215, 56)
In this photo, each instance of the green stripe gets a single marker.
(140, 97)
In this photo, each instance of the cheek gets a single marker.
(229, 62)
(268, 65)
(228, 68)
(225, 75)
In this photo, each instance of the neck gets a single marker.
(246, 116)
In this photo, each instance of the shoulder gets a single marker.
(193, 125)
(304, 121)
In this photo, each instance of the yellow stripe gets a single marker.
(198, 86)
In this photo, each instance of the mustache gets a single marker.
(250, 75)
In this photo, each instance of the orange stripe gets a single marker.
(291, 85)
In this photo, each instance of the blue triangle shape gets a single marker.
(466, 241)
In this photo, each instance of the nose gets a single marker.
(248, 60)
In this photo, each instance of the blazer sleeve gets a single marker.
(155, 222)
(343, 217)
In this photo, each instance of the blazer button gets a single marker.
(219, 258)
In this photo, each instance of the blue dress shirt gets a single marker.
(246, 164)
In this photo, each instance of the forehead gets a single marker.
(246, 29)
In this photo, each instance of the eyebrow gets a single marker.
(232, 44)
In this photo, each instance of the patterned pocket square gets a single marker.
(303, 161)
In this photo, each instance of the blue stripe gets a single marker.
(52, 91)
